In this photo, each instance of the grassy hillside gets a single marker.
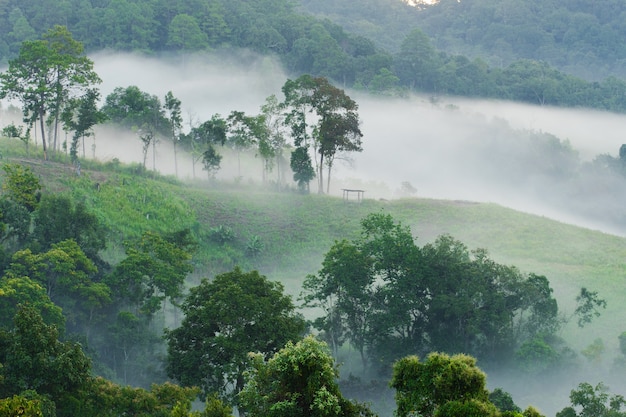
(292, 231)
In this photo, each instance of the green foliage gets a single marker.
(222, 234)
(58, 218)
(593, 402)
(34, 359)
(226, 318)
(154, 270)
(300, 379)
(46, 74)
(21, 185)
(24, 290)
(441, 386)
(503, 401)
(390, 298)
(18, 406)
(587, 306)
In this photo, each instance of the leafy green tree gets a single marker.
(245, 132)
(24, 290)
(185, 34)
(18, 405)
(298, 380)
(440, 386)
(45, 75)
(203, 139)
(21, 185)
(174, 116)
(58, 218)
(503, 401)
(153, 271)
(333, 128)
(417, 62)
(226, 318)
(17, 132)
(15, 223)
(593, 402)
(33, 358)
(344, 288)
(140, 112)
(80, 115)
(303, 172)
(67, 275)
(276, 136)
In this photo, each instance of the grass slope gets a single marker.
(296, 230)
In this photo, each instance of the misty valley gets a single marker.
(178, 237)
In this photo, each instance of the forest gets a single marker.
(124, 291)
(431, 57)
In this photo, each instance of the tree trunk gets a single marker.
(43, 135)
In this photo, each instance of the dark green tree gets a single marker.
(33, 358)
(80, 115)
(58, 218)
(153, 271)
(225, 319)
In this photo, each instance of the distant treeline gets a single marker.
(308, 44)
(579, 37)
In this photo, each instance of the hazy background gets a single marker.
(446, 148)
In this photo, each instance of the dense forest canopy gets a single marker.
(89, 286)
(375, 45)
(578, 37)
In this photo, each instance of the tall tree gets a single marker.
(45, 75)
(334, 126)
(80, 115)
(225, 319)
(175, 118)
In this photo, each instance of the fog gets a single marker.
(448, 148)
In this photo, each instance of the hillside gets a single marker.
(295, 231)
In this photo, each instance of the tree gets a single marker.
(153, 271)
(276, 141)
(33, 358)
(80, 115)
(299, 380)
(58, 218)
(140, 112)
(302, 168)
(344, 288)
(433, 387)
(67, 275)
(174, 116)
(21, 185)
(202, 141)
(335, 126)
(417, 62)
(185, 34)
(45, 75)
(226, 318)
(338, 129)
(593, 402)
(587, 305)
